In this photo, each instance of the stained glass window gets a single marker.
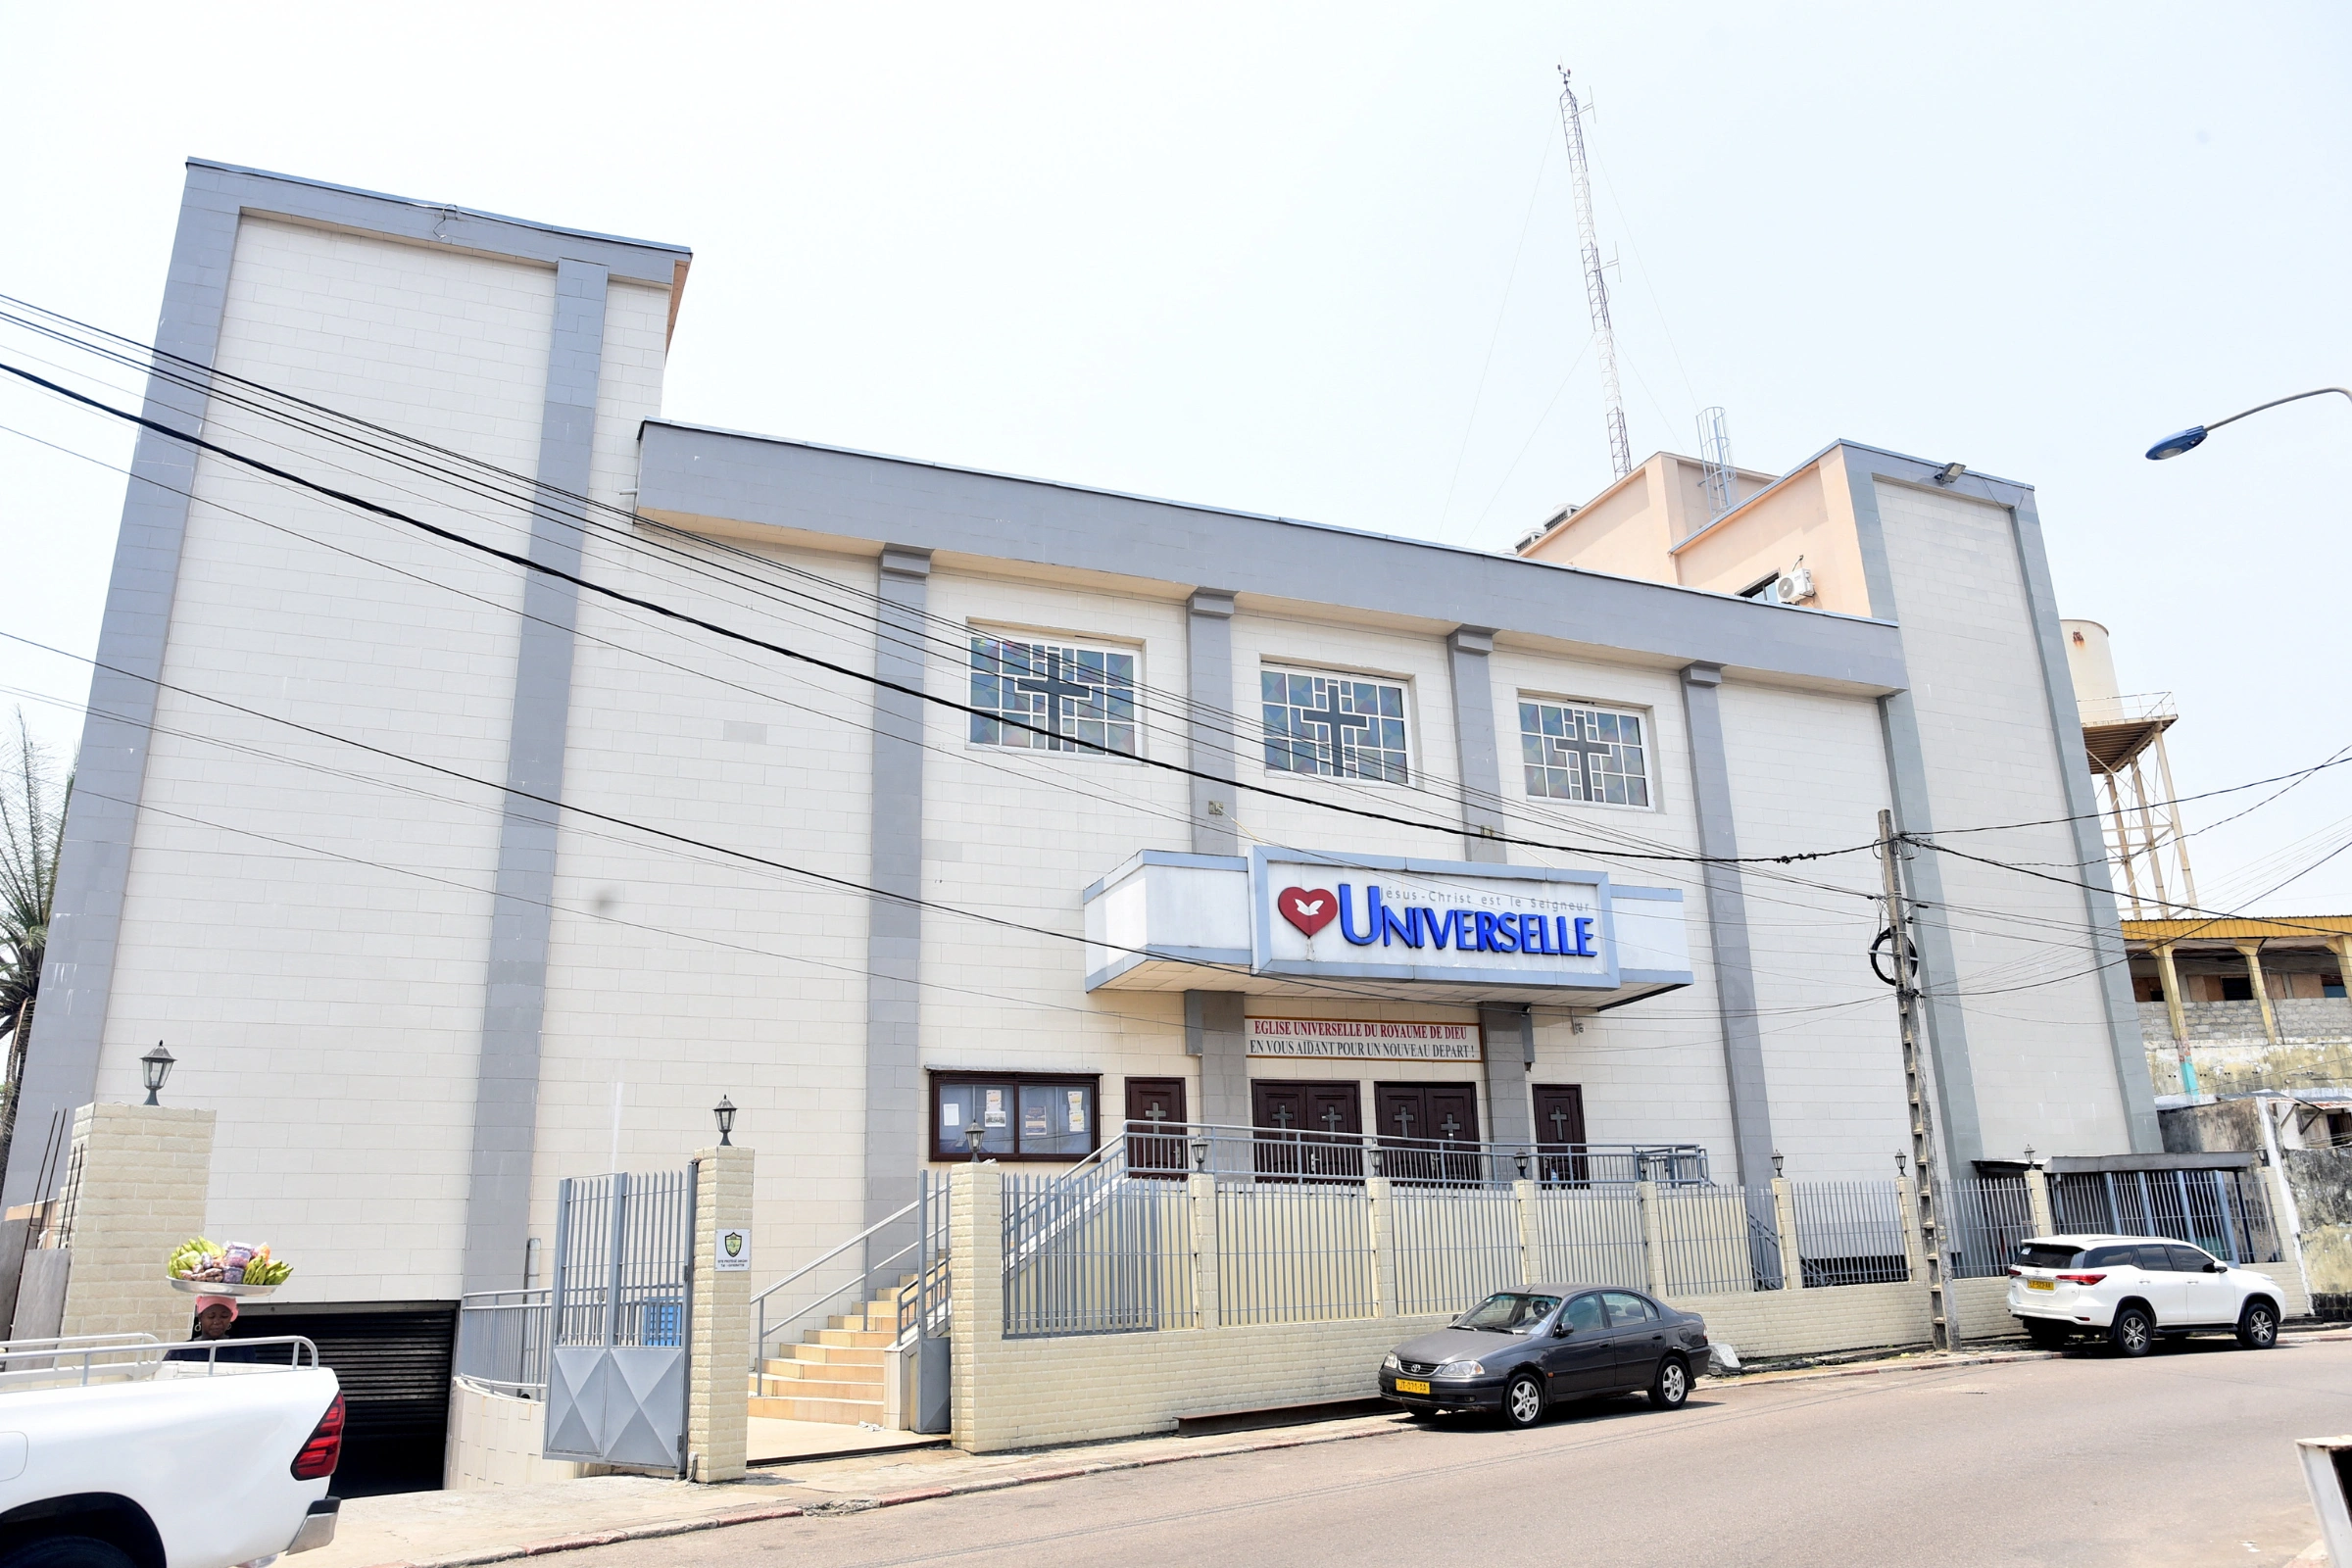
(1582, 754)
(1061, 697)
(1334, 725)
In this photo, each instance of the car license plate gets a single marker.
(2042, 1285)
(1411, 1386)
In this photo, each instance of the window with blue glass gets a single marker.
(1337, 726)
(1575, 753)
(1052, 697)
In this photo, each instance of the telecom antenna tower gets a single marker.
(1597, 288)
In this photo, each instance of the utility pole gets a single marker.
(1945, 1324)
(1597, 288)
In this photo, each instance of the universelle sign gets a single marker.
(1407, 919)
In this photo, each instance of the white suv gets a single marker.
(2134, 1287)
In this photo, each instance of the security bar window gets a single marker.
(1334, 725)
(1584, 753)
(1061, 697)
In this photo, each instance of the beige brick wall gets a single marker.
(718, 1397)
(1028, 1393)
(138, 1175)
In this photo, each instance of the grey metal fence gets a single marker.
(1985, 1218)
(502, 1341)
(1293, 1251)
(1591, 1237)
(1850, 1233)
(1455, 1245)
(2227, 1212)
(1097, 1252)
(621, 1246)
(1718, 1240)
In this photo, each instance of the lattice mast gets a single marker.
(1597, 288)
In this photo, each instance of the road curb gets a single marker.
(1071, 1472)
(680, 1526)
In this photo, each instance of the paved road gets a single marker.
(2184, 1458)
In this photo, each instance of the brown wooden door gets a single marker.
(1428, 1132)
(1309, 1128)
(1154, 1103)
(1561, 1133)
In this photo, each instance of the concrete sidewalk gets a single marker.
(458, 1529)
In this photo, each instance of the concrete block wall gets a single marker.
(496, 1440)
(136, 1179)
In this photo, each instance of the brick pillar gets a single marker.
(1915, 1247)
(1783, 1213)
(975, 1291)
(1531, 1236)
(2037, 1201)
(1384, 1244)
(136, 1179)
(719, 1392)
(1653, 1237)
(1202, 1192)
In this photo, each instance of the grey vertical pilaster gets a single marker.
(505, 1089)
(1954, 1078)
(1727, 925)
(1213, 1030)
(1467, 653)
(894, 940)
(60, 1067)
(1510, 1053)
(1213, 738)
(2124, 1040)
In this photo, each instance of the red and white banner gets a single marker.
(1363, 1039)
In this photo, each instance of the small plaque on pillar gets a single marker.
(734, 1252)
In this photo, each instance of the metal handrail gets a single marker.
(885, 1221)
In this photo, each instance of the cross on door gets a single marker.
(1449, 1127)
(1056, 691)
(1157, 1114)
(1282, 1118)
(1332, 1119)
(1405, 1121)
(1335, 721)
(1559, 1125)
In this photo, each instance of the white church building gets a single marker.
(910, 807)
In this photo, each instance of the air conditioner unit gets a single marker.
(1795, 585)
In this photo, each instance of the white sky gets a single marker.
(1256, 256)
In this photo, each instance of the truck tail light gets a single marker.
(2080, 1279)
(319, 1456)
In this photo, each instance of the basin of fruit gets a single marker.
(202, 1267)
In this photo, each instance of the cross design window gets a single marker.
(1336, 726)
(1574, 753)
(1082, 699)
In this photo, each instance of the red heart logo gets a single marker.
(1309, 912)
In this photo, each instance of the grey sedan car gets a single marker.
(1519, 1352)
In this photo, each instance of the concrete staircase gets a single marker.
(835, 1374)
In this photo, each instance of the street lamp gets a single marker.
(1779, 1163)
(2189, 440)
(1902, 1166)
(975, 1135)
(154, 1068)
(724, 1114)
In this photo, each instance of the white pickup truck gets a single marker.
(117, 1451)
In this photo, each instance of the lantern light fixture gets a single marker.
(154, 1068)
(724, 1114)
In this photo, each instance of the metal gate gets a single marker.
(616, 1371)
